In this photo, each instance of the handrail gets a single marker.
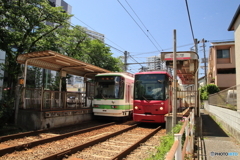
(177, 151)
(41, 99)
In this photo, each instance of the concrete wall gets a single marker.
(35, 120)
(229, 120)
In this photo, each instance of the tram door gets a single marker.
(90, 85)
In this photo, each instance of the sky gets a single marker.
(144, 28)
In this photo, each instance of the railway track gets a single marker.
(70, 144)
(31, 139)
(117, 147)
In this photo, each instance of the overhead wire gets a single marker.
(135, 60)
(138, 25)
(143, 25)
(96, 31)
(189, 18)
(73, 25)
(164, 49)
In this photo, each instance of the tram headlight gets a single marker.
(136, 107)
(114, 107)
(161, 108)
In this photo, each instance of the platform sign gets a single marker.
(168, 56)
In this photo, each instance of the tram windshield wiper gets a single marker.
(146, 99)
(103, 96)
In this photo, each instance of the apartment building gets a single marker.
(94, 35)
(221, 64)
(154, 63)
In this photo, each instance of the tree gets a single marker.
(208, 89)
(99, 54)
(79, 46)
(23, 29)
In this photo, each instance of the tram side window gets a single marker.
(167, 87)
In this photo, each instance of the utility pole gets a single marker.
(174, 104)
(205, 65)
(125, 60)
(197, 110)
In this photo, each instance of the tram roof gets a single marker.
(55, 61)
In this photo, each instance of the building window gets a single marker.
(223, 53)
(226, 71)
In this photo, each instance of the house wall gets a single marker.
(222, 63)
(224, 81)
(237, 50)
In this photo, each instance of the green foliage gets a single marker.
(24, 29)
(166, 143)
(208, 89)
(212, 88)
(34, 25)
(6, 109)
(203, 93)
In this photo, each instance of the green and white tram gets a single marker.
(113, 95)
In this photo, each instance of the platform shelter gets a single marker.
(187, 63)
(42, 108)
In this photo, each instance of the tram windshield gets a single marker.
(150, 87)
(109, 87)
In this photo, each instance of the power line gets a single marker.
(72, 25)
(164, 49)
(190, 20)
(138, 25)
(143, 24)
(96, 31)
(134, 59)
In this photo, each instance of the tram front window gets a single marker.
(150, 87)
(109, 88)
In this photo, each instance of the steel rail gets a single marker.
(124, 153)
(31, 133)
(35, 143)
(73, 150)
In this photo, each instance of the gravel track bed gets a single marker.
(113, 146)
(41, 136)
(148, 148)
(44, 150)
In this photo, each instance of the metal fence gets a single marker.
(186, 98)
(186, 135)
(226, 98)
(39, 99)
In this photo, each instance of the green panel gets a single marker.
(107, 99)
(120, 107)
(108, 75)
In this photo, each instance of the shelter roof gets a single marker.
(186, 63)
(55, 61)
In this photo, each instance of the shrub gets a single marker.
(166, 143)
(6, 110)
(208, 89)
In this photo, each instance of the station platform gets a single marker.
(213, 143)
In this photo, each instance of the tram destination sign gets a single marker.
(168, 56)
